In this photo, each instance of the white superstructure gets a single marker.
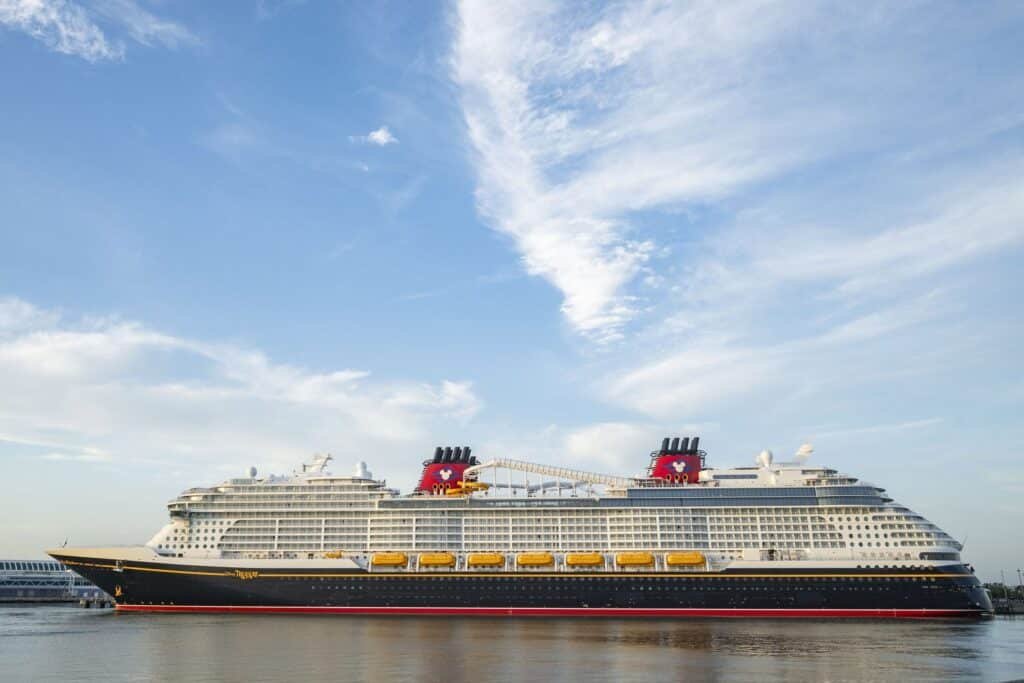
(781, 512)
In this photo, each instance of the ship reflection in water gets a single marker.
(64, 643)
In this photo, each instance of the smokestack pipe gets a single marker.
(675, 445)
(664, 445)
(438, 452)
(447, 454)
(693, 446)
(457, 456)
(466, 450)
(684, 447)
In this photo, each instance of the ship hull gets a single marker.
(950, 591)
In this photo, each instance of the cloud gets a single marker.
(709, 373)
(17, 315)
(596, 130)
(750, 193)
(381, 137)
(62, 26)
(76, 457)
(112, 390)
(616, 445)
(819, 433)
(579, 119)
(143, 26)
(68, 28)
(977, 212)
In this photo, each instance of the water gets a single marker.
(68, 643)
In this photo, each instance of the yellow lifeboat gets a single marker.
(389, 560)
(475, 486)
(634, 559)
(535, 559)
(584, 560)
(687, 559)
(437, 560)
(334, 555)
(485, 560)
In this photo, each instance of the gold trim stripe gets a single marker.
(499, 575)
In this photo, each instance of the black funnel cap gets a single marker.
(675, 445)
(693, 446)
(466, 450)
(438, 452)
(447, 454)
(684, 447)
(664, 445)
(457, 456)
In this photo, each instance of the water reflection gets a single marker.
(58, 644)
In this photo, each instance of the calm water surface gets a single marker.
(68, 643)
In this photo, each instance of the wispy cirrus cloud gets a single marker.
(87, 456)
(62, 26)
(143, 26)
(970, 214)
(579, 119)
(75, 29)
(597, 130)
(853, 300)
(828, 433)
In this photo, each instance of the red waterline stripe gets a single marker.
(566, 611)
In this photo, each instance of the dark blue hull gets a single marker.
(952, 591)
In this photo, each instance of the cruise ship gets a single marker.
(508, 537)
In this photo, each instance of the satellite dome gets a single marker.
(764, 458)
(252, 472)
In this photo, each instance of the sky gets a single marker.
(237, 234)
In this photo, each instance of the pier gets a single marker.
(46, 581)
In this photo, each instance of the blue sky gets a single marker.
(240, 233)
